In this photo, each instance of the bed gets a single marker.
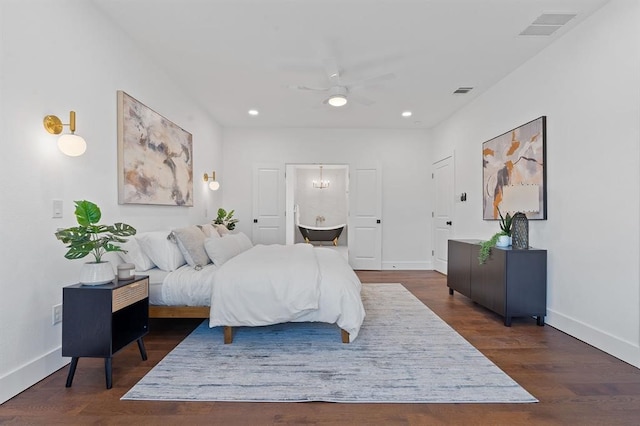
(261, 285)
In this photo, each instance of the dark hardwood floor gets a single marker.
(575, 383)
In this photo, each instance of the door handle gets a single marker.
(255, 220)
(448, 222)
(378, 221)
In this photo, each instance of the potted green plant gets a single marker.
(226, 218)
(500, 239)
(505, 227)
(91, 238)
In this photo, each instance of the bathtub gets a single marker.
(321, 233)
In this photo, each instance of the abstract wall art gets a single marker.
(516, 157)
(155, 157)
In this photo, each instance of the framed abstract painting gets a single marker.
(155, 157)
(516, 159)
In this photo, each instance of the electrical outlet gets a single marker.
(56, 314)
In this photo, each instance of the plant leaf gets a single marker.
(121, 230)
(78, 251)
(87, 213)
(76, 234)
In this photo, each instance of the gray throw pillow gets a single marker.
(190, 241)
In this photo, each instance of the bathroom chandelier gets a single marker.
(321, 184)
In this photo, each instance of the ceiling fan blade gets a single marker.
(360, 99)
(370, 81)
(311, 89)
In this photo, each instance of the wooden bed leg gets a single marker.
(335, 241)
(228, 335)
(345, 336)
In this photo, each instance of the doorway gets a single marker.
(317, 205)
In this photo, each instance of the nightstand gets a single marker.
(98, 321)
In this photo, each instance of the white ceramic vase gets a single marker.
(503, 241)
(96, 273)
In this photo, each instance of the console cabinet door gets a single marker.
(488, 280)
(458, 271)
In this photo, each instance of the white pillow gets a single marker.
(222, 230)
(209, 230)
(163, 252)
(220, 250)
(243, 240)
(135, 254)
(190, 241)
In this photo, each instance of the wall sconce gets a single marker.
(214, 184)
(70, 144)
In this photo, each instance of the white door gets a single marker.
(443, 211)
(365, 211)
(268, 204)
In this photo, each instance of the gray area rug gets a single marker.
(404, 354)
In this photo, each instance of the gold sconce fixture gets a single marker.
(70, 144)
(214, 184)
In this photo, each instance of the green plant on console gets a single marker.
(505, 223)
(505, 229)
(485, 247)
(226, 219)
(89, 237)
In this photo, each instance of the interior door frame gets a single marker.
(451, 197)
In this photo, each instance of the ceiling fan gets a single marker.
(339, 92)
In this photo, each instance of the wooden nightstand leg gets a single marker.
(143, 351)
(107, 371)
(72, 371)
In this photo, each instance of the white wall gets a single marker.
(56, 57)
(406, 184)
(588, 86)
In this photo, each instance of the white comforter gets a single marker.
(187, 286)
(276, 283)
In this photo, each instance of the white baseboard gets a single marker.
(621, 349)
(29, 374)
(407, 266)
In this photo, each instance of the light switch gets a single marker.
(57, 209)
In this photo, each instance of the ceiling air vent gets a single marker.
(462, 90)
(547, 23)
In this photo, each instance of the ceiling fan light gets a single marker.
(337, 100)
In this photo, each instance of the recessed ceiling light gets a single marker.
(253, 112)
(407, 113)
